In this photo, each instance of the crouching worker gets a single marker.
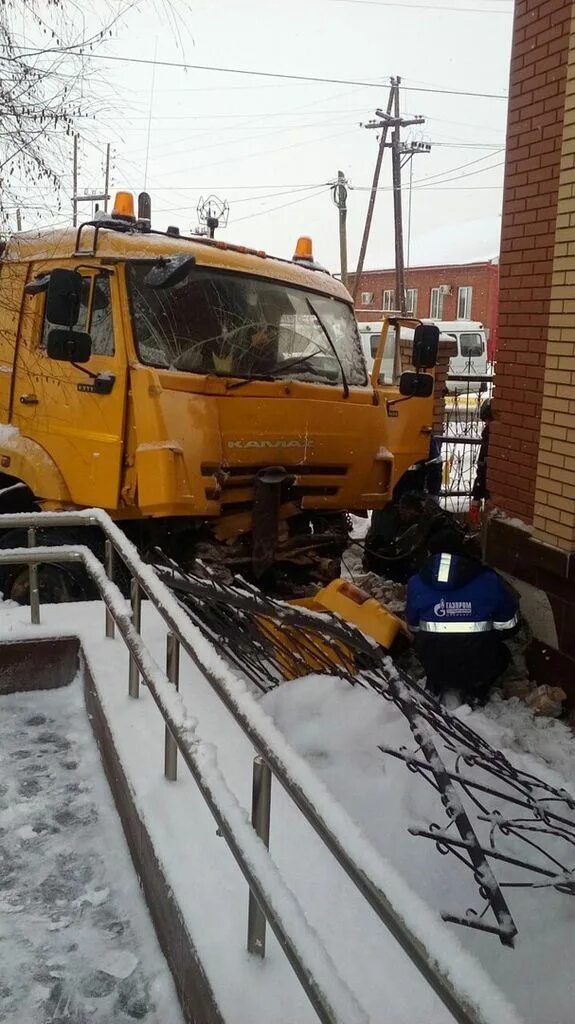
(461, 612)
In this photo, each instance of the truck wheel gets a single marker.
(57, 583)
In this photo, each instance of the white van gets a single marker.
(470, 361)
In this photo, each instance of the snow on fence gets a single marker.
(453, 974)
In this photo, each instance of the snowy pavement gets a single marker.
(76, 942)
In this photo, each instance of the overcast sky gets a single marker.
(271, 146)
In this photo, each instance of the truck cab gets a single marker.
(208, 396)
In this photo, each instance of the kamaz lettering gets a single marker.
(269, 444)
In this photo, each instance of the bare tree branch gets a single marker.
(47, 86)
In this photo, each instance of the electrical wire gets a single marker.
(273, 209)
(424, 7)
(470, 175)
(252, 199)
(439, 175)
(184, 66)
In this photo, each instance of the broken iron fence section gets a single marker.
(461, 436)
(498, 818)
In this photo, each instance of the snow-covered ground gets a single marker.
(337, 729)
(211, 890)
(77, 944)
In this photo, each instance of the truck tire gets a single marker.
(58, 584)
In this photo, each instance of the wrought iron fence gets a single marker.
(461, 437)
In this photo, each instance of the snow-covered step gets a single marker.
(76, 940)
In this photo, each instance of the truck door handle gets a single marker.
(29, 400)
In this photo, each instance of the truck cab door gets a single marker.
(56, 403)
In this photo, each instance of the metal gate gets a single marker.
(461, 437)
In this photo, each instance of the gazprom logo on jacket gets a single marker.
(452, 608)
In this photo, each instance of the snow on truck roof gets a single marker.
(61, 243)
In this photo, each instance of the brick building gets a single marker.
(532, 449)
(466, 291)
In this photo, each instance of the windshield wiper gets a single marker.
(332, 346)
(275, 369)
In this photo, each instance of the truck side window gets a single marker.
(471, 345)
(82, 321)
(101, 326)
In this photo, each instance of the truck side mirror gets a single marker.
(425, 346)
(63, 297)
(69, 346)
(416, 385)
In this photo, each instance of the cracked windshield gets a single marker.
(236, 326)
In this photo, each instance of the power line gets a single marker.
(460, 167)
(481, 170)
(258, 74)
(424, 7)
(440, 174)
(273, 209)
(467, 145)
(319, 189)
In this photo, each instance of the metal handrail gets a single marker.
(329, 995)
(360, 861)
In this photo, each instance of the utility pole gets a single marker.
(397, 204)
(372, 195)
(401, 153)
(107, 179)
(75, 183)
(18, 219)
(339, 193)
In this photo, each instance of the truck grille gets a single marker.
(234, 485)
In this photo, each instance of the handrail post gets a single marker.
(109, 565)
(33, 581)
(261, 809)
(173, 674)
(136, 602)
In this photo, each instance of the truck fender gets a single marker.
(27, 461)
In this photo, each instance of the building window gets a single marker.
(366, 298)
(436, 304)
(411, 301)
(388, 299)
(464, 303)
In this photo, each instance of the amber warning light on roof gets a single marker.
(304, 249)
(124, 207)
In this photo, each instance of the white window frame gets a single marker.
(388, 300)
(436, 304)
(367, 298)
(411, 307)
(464, 300)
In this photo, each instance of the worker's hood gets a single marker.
(448, 572)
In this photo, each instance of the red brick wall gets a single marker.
(482, 277)
(534, 135)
